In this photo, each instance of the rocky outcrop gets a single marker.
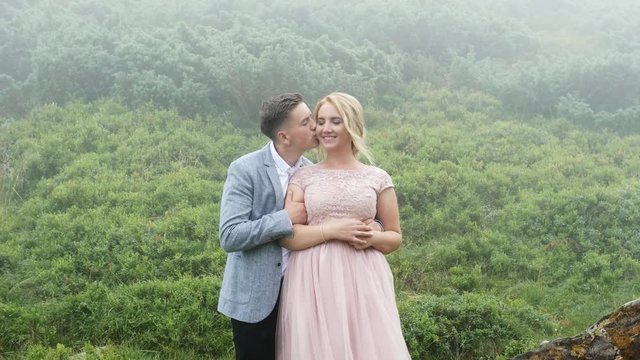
(614, 337)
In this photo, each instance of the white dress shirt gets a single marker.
(284, 174)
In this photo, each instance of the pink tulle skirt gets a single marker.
(338, 303)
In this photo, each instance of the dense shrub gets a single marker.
(114, 242)
(470, 326)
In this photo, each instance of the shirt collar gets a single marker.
(280, 163)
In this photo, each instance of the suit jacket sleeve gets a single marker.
(239, 231)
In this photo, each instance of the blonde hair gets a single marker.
(351, 113)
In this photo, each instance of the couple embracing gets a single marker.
(306, 276)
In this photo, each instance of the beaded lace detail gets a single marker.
(334, 193)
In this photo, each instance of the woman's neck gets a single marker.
(341, 160)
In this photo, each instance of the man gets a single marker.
(252, 220)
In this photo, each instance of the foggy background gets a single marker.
(577, 59)
(510, 128)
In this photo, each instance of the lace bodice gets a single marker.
(331, 193)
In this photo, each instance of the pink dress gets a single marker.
(338, 303)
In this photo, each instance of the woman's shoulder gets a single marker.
(372, 169)
(307, 169)
(303, 172)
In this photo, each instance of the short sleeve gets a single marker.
(300, 178)
(383, 181)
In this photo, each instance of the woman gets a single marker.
(337, 299)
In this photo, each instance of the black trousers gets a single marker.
(256, 341)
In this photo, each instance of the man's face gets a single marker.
(300, 127)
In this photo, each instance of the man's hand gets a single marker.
(375, 226)
(296, 209)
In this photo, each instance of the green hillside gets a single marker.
(513, 142)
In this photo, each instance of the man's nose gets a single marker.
(313, 125)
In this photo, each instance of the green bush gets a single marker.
(115, 240)
(161, 315)
(23, 326)
(469, 326)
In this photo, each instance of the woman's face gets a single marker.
(330, 128)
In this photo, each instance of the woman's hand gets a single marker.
(352, 231)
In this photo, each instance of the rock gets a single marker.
(615, 337)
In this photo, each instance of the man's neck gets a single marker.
(289, 156)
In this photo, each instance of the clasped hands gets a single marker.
(356, 233)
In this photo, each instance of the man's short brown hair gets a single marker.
(274, 112)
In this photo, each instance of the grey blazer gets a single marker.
(252, 219)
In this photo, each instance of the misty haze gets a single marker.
(510, 128)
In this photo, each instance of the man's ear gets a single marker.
(282, 137)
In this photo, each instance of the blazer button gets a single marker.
(278, 264)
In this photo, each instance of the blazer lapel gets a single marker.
(272, 173)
